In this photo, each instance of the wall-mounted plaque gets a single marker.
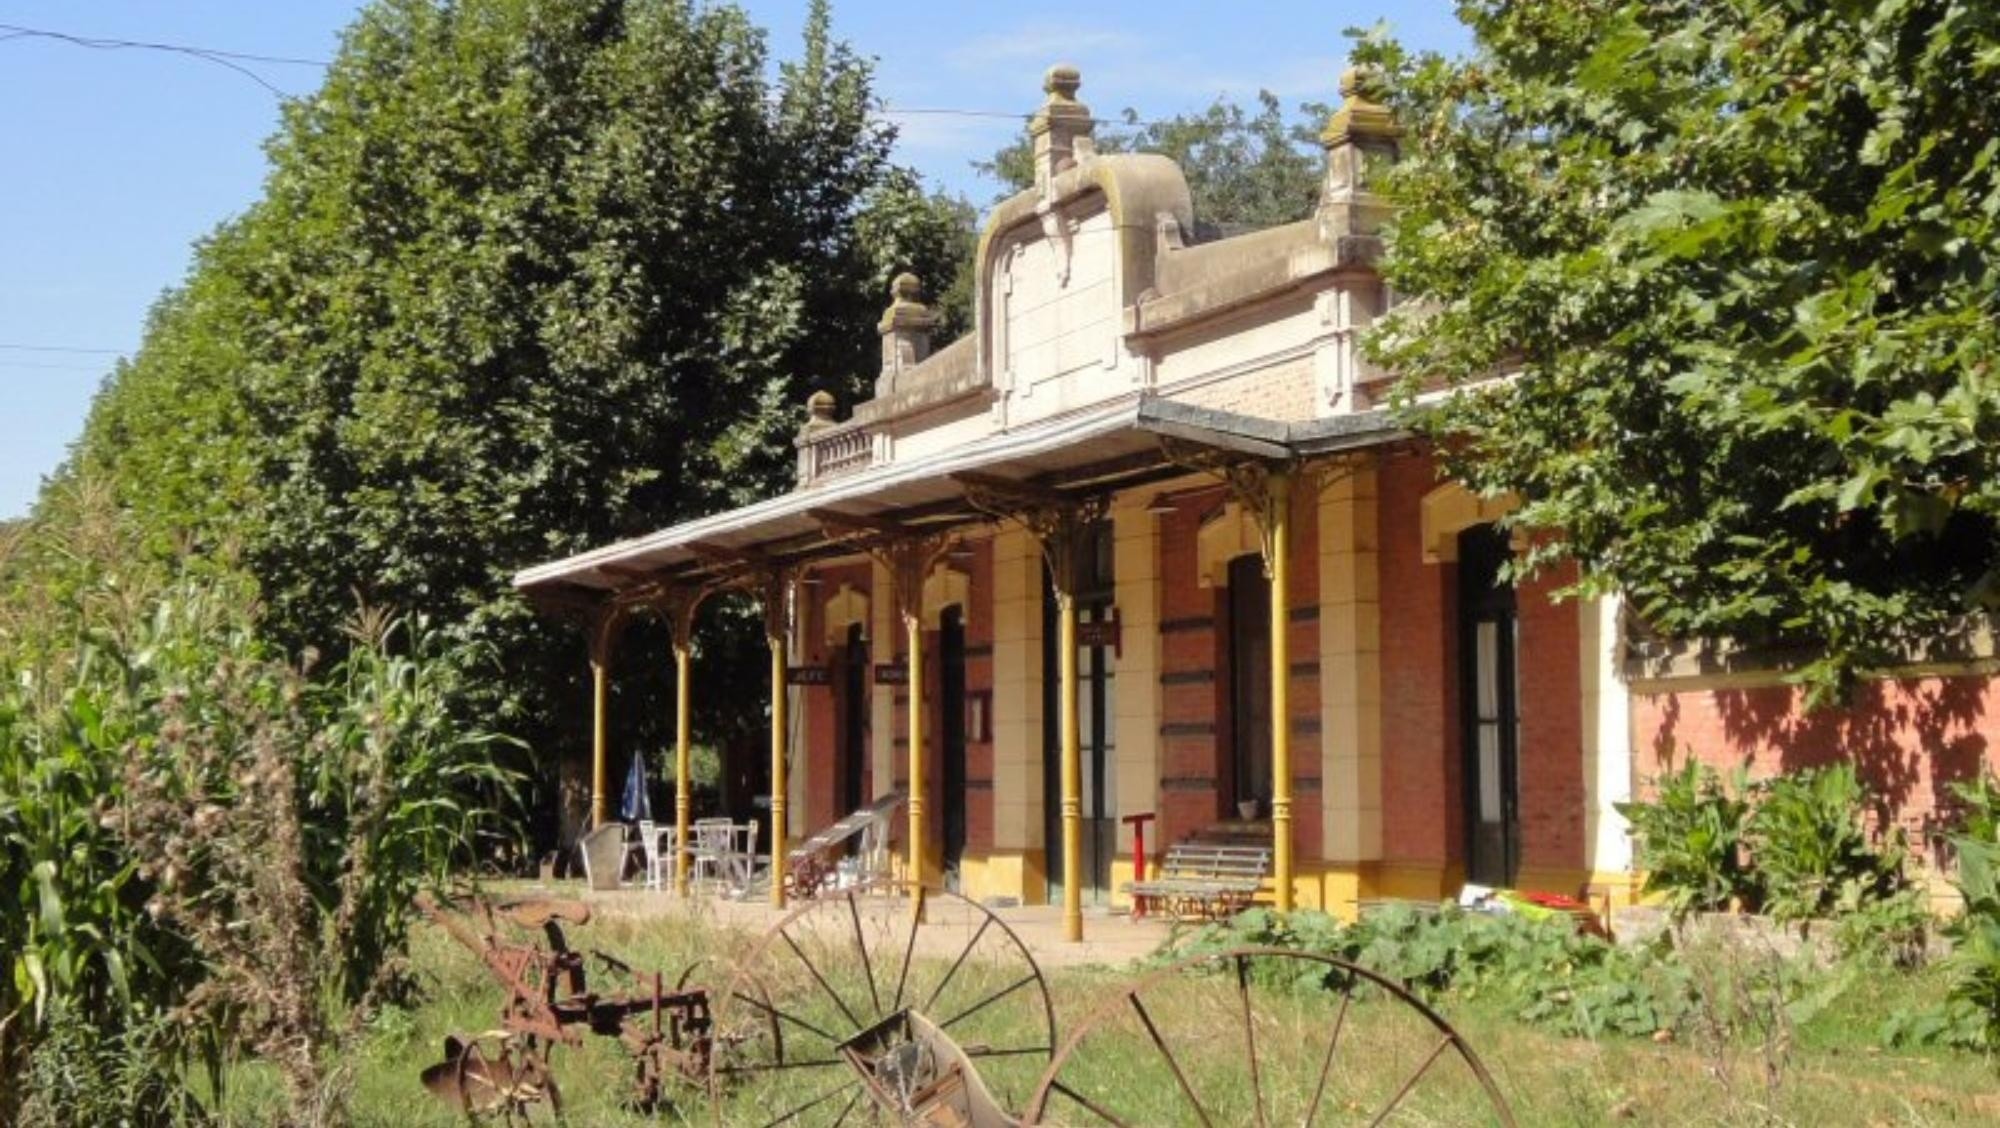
(1102, 632)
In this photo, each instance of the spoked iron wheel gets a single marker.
(1266, 1037)
(848, 962)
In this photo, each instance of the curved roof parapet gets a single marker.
(1142, 191)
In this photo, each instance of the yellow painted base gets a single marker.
(1615, 888)
(1417, 881)
(1336, 888)
(1121, 875)
(1020, 876)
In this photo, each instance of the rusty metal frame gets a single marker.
(667, 1032)
(1350, 976)
(860, 1015)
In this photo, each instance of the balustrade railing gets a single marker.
(835, 451)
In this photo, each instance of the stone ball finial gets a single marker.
(1062, 82)
(820, 406)
(906, 287)
(1361, 83)
(1361, 117)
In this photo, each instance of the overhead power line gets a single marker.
(13, 31)
(234, 60)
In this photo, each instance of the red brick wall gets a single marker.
(1423, 803)
(1909, 738)
(1308, 833)
(1551, 696)
(822, 724)
(1194, 724)
(979, 680)
(977, 563)
(1421, 797)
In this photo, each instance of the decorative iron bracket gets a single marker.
(1059, 522)
(906, 553)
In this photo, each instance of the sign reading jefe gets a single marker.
(1101, 632)
(809, 675)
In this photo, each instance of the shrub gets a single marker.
(1689, 840)
(1975, 960)
(1970, 1016)
(1894, 930)
(1543, 971)
(1979, 809)
(1811, 852)
(81, 1073)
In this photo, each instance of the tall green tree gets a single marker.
(1741, 257)
(528, 276)
(1246, 167)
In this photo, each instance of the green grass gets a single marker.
(1829, 1067)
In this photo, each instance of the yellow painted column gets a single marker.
(683, 765)
(599, 690)
(1280, 486)
(1072, 764)
(780, 722)
(913, 627)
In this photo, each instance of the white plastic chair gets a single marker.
(744, 850)
(713, 843)
(659, 844)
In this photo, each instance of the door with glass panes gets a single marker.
(1097, 720)
(1488, 688)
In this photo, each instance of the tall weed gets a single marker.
(205, 849)
(1811, 850)
(1690, 840)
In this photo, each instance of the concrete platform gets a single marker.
(1111, 939)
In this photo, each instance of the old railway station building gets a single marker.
(1146, 541)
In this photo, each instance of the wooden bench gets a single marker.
(1205, 879)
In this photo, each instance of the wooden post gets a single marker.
(1278, 567)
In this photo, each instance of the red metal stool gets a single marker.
(1138, 824)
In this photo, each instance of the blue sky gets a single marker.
(117, 160)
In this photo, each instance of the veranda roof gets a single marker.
(1114, 446)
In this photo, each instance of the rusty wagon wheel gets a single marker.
(1265, 1037)
(850, 961)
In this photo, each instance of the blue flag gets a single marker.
(638, 802)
